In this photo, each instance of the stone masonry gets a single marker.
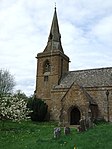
(71, 95)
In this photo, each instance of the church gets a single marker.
(71, 95)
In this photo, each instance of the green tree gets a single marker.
(20, 94)
(39, 108)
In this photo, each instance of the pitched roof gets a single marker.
(88, 78)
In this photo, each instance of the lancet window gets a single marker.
(47, 67)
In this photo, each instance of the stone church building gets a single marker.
(71, 95)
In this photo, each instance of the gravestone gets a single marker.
(66, 130)
(57, 132)
(82, 126)
(89, 123)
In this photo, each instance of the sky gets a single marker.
(86, 35)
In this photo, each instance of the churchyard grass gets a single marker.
(29, 135)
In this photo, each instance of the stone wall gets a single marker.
(75, 97)
(99, 96)
(56, 107)
(58, 63)
(64, 99)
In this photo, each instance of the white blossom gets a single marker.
(13, 108)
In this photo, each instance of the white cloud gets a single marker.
(103, 30)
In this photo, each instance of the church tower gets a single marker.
(52, 63)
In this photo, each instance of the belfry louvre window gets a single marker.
(47, 67)
(45, 78)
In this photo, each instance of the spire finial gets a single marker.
(55, 6)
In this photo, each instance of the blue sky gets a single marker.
(85, 27)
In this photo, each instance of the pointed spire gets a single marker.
(54, 32)
(54, 39)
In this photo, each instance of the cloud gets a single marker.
(103, 31)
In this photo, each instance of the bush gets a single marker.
(13, 108)
(39, 108)
(100, 121)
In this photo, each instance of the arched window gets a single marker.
(47, 67)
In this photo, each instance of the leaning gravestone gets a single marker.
(57, 132)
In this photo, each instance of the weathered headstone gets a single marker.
(85, 124)
(82, 126)
(57, 132)
(89, 123)
(66, 130)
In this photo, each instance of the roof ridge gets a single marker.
(91, 69)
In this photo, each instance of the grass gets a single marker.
(28, 135)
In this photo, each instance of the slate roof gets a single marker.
(87, 78)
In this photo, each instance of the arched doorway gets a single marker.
(75, 116)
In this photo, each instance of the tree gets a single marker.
(39, 108)
(13, 108)
(7, 82)
(20, 94)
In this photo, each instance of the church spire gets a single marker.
(54, 32)
(54, 39)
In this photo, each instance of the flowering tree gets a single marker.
(13, 108)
